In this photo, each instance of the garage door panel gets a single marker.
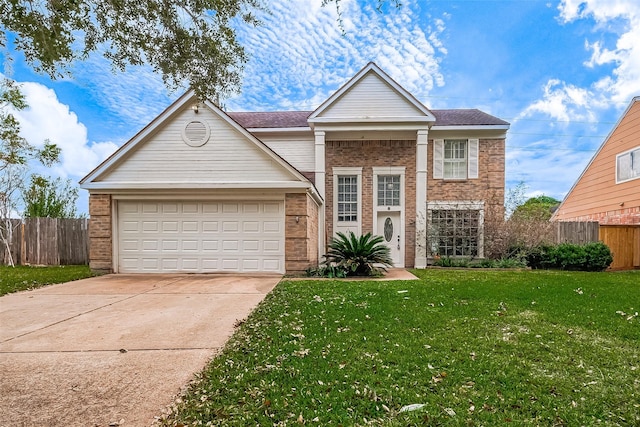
(272, 227)
(168, 236)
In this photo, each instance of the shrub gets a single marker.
(366, 255)
(329, 271)
(598, 255)
(594, 256)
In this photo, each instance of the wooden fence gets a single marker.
(47, 241)
(575, 232)
(624, 242)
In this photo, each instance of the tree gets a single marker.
(536, 208)
(187, 42)
(15, 153)
(191, 42)
(50, 198)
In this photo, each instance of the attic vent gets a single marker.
(196, 133)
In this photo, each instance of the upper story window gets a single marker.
(347, 198)
(628, 165)
(455, 159)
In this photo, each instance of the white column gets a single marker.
(320, 174)
(421, 198)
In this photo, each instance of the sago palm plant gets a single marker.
(359, 256)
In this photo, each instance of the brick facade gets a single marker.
(622, 216)
(488, 187)
(369, 154)
(301, 232)
(100, 233)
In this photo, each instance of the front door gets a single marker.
(389, 209)
(388, 226)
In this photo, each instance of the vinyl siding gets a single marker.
(298, 150)
(228, 156)
(371, 97)
(597, 191)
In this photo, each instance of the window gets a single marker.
(388, 190)
(628, 165)
(347, 198)
(455, 159)
(455, 232)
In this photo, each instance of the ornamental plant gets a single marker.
(365, 255)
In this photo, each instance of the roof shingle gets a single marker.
(298, 119)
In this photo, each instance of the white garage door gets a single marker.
(200, 237)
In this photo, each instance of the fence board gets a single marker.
(624, 242)
(576, 232)
(48, 241)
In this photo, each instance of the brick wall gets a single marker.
(301, 232)
(489, 186)
(100, 233)
(622, 216)
(369, 154)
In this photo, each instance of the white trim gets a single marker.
(347, 224)
(368, 119)
(115, 236)
(138, 185)
(422, 178)
(391, 170)
(373, 126)
(616, 166)
(373, 68)
(455, 204)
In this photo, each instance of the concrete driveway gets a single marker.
(116, 349)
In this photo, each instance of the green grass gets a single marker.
(20, 277)
(477, 348)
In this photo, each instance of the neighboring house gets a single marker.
(202, 190)
(608, 191)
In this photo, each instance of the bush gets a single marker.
(366, 255)
(594, 256)
(598, 255)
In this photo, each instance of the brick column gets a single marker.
(100, 233)
(301, 232)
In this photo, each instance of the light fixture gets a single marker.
(194, 107)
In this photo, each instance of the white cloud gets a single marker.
(137, 95)
(564, 102)
(47, 118)
(568, 102)
(301, 55)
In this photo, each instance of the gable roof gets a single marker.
(371, 68)
(604, 143)
(91, 180)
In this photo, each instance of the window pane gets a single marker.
(455, 158)
(454, 233)
(388, 190)
(347, 198)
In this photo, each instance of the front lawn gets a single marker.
(474, 347)
(21, 277)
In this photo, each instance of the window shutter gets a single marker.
(473, 159)
(438, 158)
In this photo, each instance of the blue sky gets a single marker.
(561, 72)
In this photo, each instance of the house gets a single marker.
(203, 190)
(608, 190)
